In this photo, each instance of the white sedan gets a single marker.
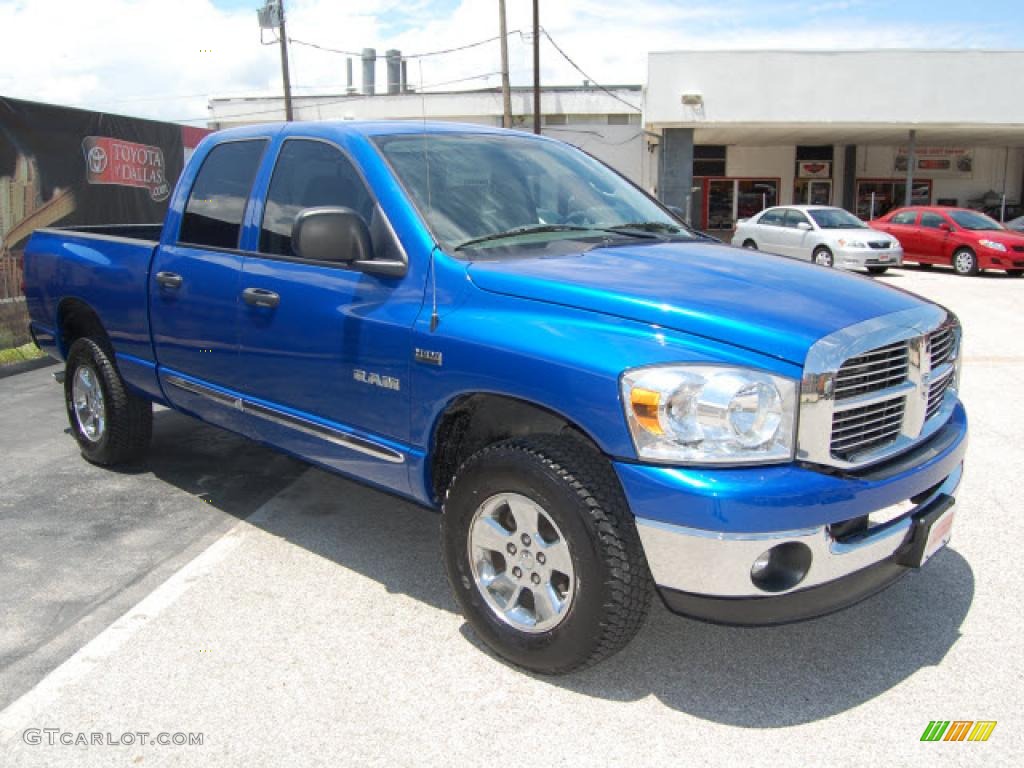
(828, 236)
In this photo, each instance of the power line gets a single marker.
(585, 75)
(424, 55)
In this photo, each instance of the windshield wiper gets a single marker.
(538, 228)
(649, 226)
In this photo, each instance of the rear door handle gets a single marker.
(260, 297)
(169, 279)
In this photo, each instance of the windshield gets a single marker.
(480, 191)
(836, 218)
(975, 221)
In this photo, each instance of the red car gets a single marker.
(967, 240)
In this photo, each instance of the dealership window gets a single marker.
(727, 200)
(709, 160)
(876, 197)
(213, 214)
(812, 183)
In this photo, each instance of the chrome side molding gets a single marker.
(306, 426)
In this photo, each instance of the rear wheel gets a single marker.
(823, 256)
(965, 263)
(543, 555)
(750, 244)
(111, 425)
(878, 270)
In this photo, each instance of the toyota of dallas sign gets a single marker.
(125, 163)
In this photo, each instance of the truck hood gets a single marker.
(768, 304)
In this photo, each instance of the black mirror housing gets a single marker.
(331, 234)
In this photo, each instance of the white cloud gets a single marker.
(165, 59)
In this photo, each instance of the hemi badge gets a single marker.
(429, 357)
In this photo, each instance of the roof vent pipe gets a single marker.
(394, 61)
(349, 87)
(369, 67)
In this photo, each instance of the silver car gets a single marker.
(828, 236)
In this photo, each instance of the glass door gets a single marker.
(721, 197)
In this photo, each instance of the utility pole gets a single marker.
(536, 66)
(284, 66)
(506, 94)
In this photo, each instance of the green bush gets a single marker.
(10, 355)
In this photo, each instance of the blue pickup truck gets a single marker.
(603, 404)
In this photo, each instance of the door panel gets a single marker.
(930, 241)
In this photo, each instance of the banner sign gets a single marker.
(65, 167)
(936, 161)
(109, 161)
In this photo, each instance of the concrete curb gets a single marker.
(29, 365)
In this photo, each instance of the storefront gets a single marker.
(727, 145)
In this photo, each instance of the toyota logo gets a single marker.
(97, 159)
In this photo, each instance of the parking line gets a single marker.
(35, 702)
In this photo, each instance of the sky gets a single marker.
(166, 58)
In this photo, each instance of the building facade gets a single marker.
(604, 122)
(741, 130)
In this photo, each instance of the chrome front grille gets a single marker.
(879, 245)
(867, 428)
(940, 346)
(877, 388)
(873, 371)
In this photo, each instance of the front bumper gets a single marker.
(702, 534)
(861, 258)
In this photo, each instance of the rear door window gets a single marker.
(771, 218)
(216, 205)
(906, 217)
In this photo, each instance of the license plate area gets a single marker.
(938, 535)
(930, 533)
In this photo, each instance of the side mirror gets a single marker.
(331, 234)
(804, 226)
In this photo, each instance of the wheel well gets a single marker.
(749, 243)
(472, 422)
(77, 320)
(822, 247)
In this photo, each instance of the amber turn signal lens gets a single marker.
(645, 407)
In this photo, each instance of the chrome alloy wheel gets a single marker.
(90, 409)
(521, 563)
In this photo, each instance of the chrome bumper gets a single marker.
(718, 564)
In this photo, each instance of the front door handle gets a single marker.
(169, 279)
(260, 297)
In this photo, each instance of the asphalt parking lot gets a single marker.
(294, 617)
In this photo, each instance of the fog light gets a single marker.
(782, 567)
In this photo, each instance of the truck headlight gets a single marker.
(706, 414)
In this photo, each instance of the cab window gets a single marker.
(905, 217)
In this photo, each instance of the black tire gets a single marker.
(878, 270)
(578, 489)
(750, 244)
(924, 265)
(1015, 272)
(965, 263)
(823, 256)
(128, 424)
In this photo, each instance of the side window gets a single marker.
(931, 220)
(216, 205)
(794, 217)
(906, 217)
(772, 218)
(309, 174)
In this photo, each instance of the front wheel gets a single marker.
(878, 270)
(543, 555)
(823, 256)
(111, 425)
(965, 263)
